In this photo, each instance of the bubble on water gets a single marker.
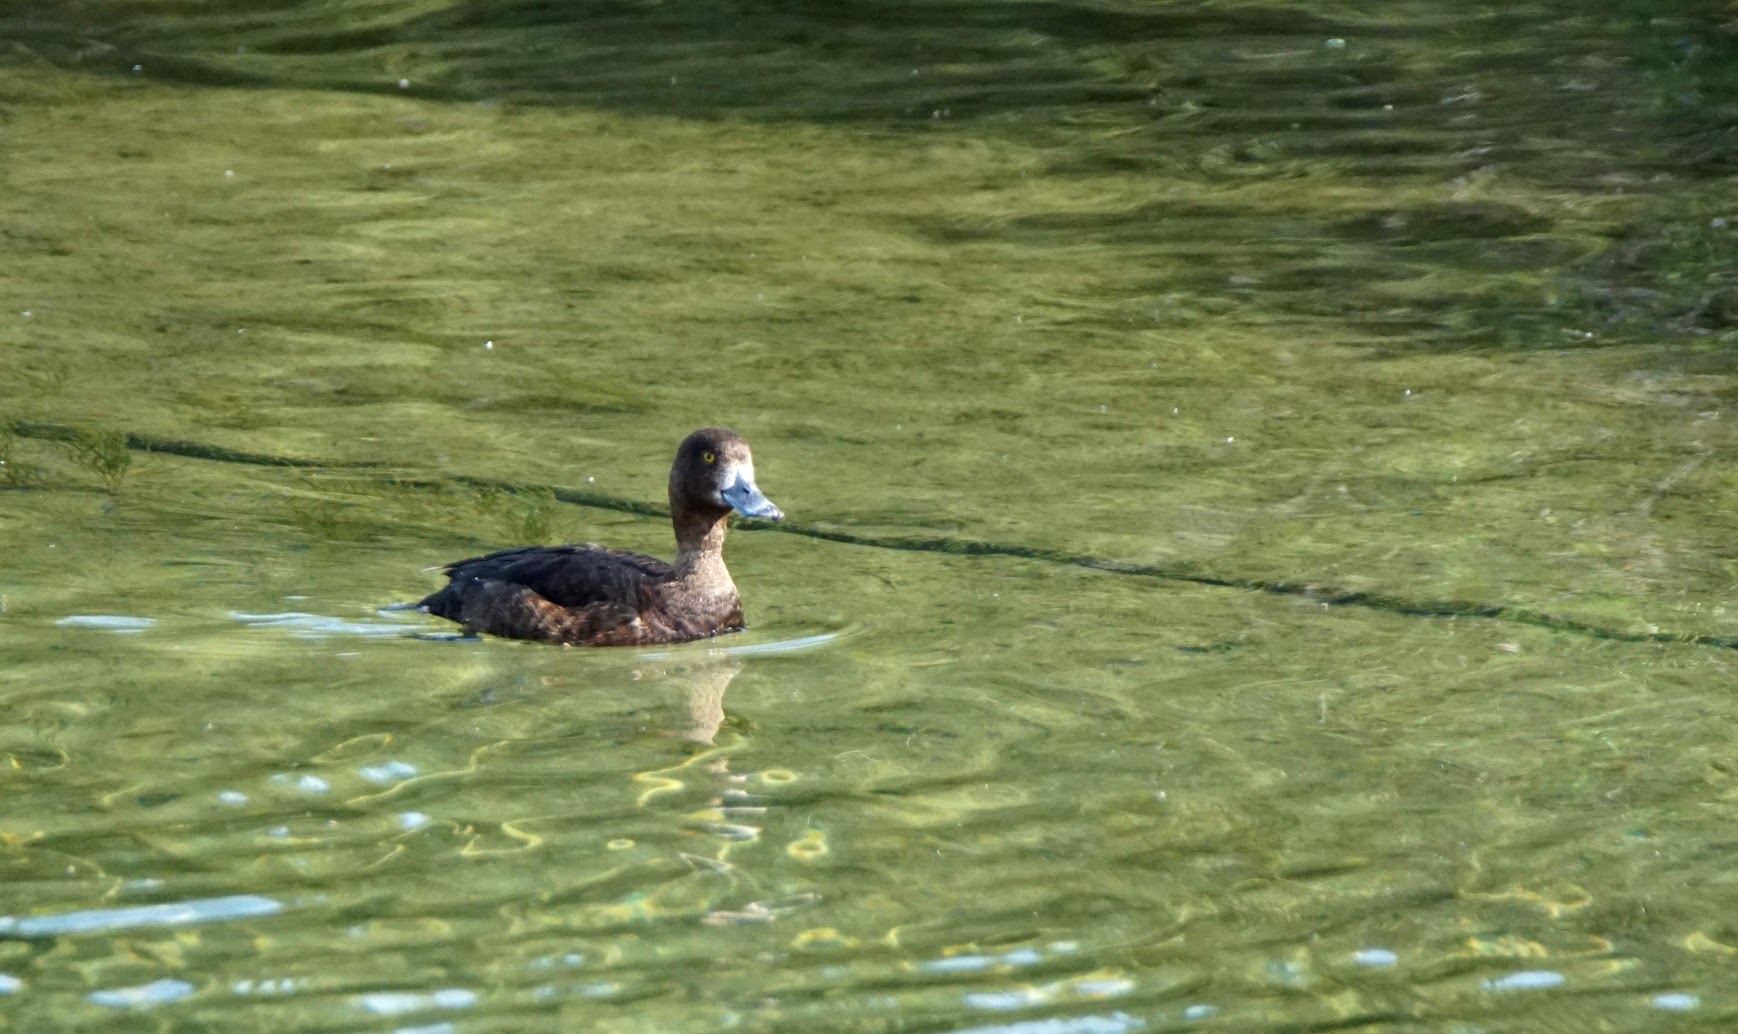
(1375, 957)
(1335, 44)
(488, 346)
(413, 820)
(232, 797)
(228, 173)
(138, 68)
(1200, 1012)
(404, 84)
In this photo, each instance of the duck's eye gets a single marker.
(709, 456)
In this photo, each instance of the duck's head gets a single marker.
(714, 473)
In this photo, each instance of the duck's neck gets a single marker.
(700, 549)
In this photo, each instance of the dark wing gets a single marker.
(568, 576)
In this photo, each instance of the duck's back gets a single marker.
(579, 594)
(570, 576)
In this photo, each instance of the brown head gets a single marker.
(712, 475)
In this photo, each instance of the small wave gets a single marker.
(319, 626)
(173, 913)
(157, 992)
(807, 642)
(120, 623)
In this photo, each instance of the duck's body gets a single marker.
(587, 595)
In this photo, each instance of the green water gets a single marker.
(1261, 528)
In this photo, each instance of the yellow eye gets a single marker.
(709, 457)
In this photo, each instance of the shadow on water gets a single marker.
(1233, 95)
(1210, 69)
(842, 61)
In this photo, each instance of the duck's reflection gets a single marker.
(717, 805)
(730, 814)
(699, 681)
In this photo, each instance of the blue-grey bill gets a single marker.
(744, 497)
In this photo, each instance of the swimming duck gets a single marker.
(587, 595)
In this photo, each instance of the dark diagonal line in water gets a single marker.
(1324, 594)
(176, 447)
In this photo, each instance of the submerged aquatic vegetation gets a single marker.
(525, 515)
(15, 470)
(103, 453)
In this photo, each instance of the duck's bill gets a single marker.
(744, 497)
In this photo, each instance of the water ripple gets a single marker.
(397, 1003)
(807, 642)
(1525, 980)
(319, 626)
(1677, 1002)
(176, 913)
(1115, 1023)
(157, 992)
(119, 623)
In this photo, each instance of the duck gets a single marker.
(589, 595)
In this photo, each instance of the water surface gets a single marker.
(1260, 546)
